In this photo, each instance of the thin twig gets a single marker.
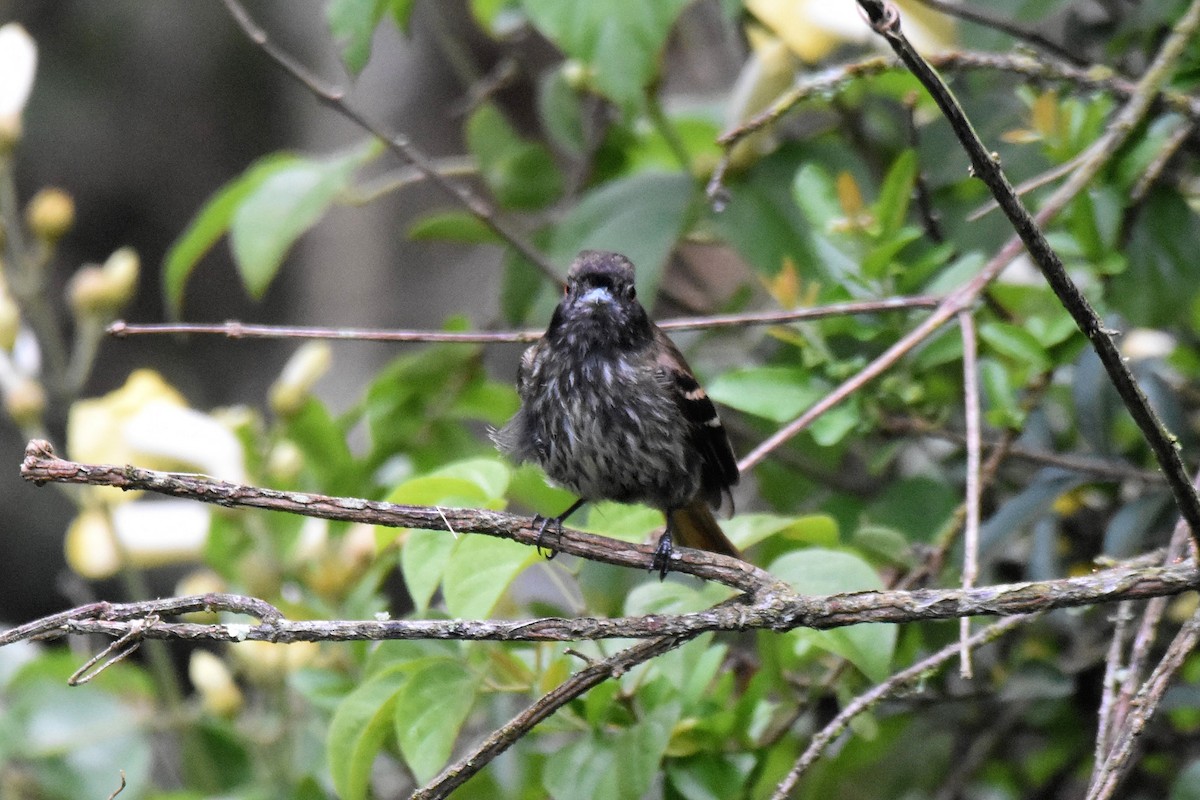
(1119, 760)
(1112, 670)
(971, 523)
(240, 330)
(985, 165)
(972, 13)
(865, 701)
(1029, 68)
(120, 649)
(1097, 467)
(595, 673)
(398, 144)
(1155, 168)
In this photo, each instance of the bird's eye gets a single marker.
(631, 292)
(566, 289)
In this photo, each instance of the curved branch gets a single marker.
(41, 466)
(985, 165)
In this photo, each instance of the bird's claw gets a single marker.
(662, 556)
(542, 524)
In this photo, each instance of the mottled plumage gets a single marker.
(611, 411)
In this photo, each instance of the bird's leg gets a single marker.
(662, 553)
(544, 522)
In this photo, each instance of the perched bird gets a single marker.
(611, 411)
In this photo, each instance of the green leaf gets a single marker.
(358, 729)
(618, 41)
(833, 426)
(817, 571)
(1017, 343)
(284, 205)
(480, 571)
(430, 710)
(1163, 277)
(774, 393)
(891, 208)
(671, 597)
(747, 530)
(401, 13)
(521, 174)
(561, 111)
(1003, 410)
(491, 475)
(323, 443)
(626, 521)
(210, 225)
(352, 24)
(642, 217)
(423, 561)
(611, 765)
(884, 543)
(452, 226)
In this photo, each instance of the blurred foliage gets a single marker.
(823, 210)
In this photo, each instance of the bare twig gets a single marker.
(1155, 168)
(398, 144)
(1112, 669)
(769, 604)
(865, 701)
(502, 738)
(972, 13)
(985, 165)
(123, 647)
(1029, 68)
(971, 523)
(776, 608)
(1145, 704)
(240, 330)
(1098, 467)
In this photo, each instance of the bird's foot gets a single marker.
(543, 524)
(662, 555)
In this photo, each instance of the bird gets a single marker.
(611, 410)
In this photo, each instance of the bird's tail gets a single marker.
(695, 526)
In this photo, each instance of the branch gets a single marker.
(1029, 68)
(41, 465)
(233, 329)
(821, 740)
(1118, 763)
(1030, 35)
(970, 571)
(504, 737)
(985, 165)
(776, 608)
(398, 144)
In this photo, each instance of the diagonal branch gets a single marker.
(864, 702)
(985, 165)
(398, 144)
(506, 735)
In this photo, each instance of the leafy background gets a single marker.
(603, 135)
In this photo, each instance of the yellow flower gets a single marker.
(145, 423)
(813, 28)
(214, 683)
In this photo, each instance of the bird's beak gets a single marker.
(596, 295)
